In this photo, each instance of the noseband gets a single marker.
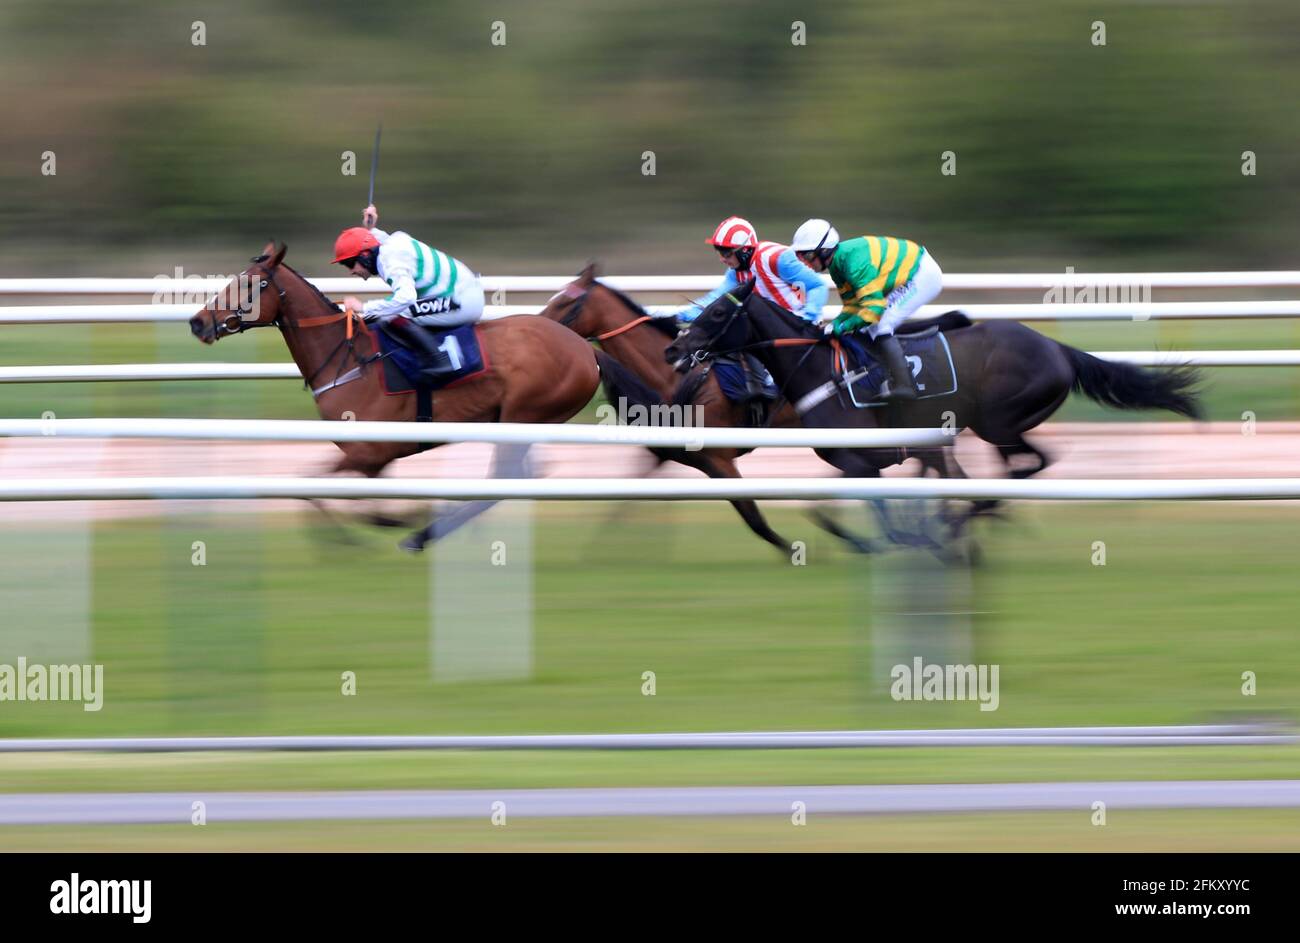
(223, 326)
(705, 352)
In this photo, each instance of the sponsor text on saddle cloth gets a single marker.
(864, 377)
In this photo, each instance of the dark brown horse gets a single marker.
(1011, 379)
(637, 340)
(540, 372)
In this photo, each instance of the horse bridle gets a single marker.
(705, 353)
(222, 327)
(698, 356)
(580, 299)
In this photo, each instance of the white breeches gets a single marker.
(923, 288)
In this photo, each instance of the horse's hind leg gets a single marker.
(1020, 446)
(1004, 422)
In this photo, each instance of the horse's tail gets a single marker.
(622, 384)
(1125, 386)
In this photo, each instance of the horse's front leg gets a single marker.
(368, 461)
(510, 461)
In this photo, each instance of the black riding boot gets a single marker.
(902, 387)
(435, 364)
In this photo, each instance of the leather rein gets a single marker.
(579, 297)
(222, 327)
(704, 354)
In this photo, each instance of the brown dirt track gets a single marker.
(1081, 450)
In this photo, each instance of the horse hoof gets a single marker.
(965, 555)
(412, 545)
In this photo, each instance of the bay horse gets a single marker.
(1010, 380)
(636, 339)
(539, 371)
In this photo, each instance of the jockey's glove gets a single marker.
(842, 326)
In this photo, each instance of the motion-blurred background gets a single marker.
(529, 158)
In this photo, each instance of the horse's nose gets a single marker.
(196, 325)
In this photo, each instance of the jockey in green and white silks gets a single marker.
(881, 281)
(430, 288)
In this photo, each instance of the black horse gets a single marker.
(1010, 379)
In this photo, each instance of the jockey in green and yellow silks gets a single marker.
(881, 281)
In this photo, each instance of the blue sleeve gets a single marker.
(794, 272)
(692, 310)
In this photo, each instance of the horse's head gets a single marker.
(245, 301)
(720, 327)
(569, 304)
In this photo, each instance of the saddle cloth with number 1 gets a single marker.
(461, 345)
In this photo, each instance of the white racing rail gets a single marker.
(119, 372)
(1155, 311)
(1178, 736)
(648, 489)
(515, 433)
(1036, 281)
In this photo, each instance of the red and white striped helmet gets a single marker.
(734, 233)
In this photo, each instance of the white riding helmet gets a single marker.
(814, 235)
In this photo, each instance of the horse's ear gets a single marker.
(267, 250)
(588, 274)
(279, 255)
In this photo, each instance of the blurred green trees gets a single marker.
(1066, 152)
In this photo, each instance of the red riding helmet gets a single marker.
(352, 242)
